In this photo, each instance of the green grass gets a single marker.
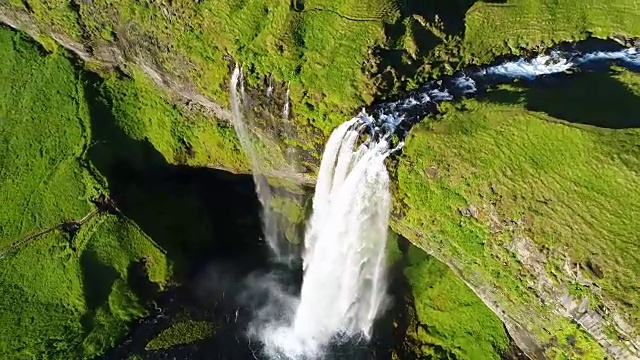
(451, 321)
(61, 299)
(182, 333)
(39, 166)
(57, 14)
(315, 50)
(325, 50)
(573, 187)
(495, 29)
(182, 137)
(336, 56)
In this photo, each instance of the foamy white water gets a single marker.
(344, 275)
(285, 108)
(558, 62)
(468, 84)
(629, 56)
(553, 63)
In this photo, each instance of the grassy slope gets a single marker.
(496, 29)
(451, 321)
(288, 45)
(325, 51)
(57, 302)
(182, 333)
(314, 49)
(573, 187)
(181, 136)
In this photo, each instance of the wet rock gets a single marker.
(496, 224)
(473, 211)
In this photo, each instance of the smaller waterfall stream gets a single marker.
(263, 190)
(287, 104)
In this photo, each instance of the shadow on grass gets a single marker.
(450, 12)
(194, 214)
(590, 98)
(396, 63)
(401, 332)
(595, 98)
(405, 315)
(97, 280)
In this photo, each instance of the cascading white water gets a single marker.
(343, 286)
(262, 187)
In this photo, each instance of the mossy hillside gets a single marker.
(182, 333)
(33, 161)
(531, 173)
(292, 211)
(61, 298)
(479, 232)
(335, 57)
(510, 27)
(185, 209)
(434, 38)
(182, 136)
(447, 319)
(314, 49)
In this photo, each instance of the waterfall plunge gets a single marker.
(343, 286)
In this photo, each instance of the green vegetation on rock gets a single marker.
(504, 28)
(530, 199)
(182, 136)
(334, 56)
(508, 189)
(449, 321)
(61, 297)
(182, 333)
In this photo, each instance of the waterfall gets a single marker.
(287, 104)
(269, 218)
(399, 113)
(343, 286)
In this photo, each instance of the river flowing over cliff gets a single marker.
(343, 288)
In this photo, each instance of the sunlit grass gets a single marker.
(573, 187)
(451, 321)
(182, 333)
(495, 29)
(61, 298)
